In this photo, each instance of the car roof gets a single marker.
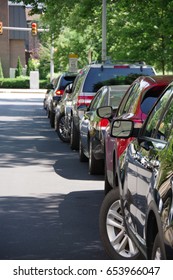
(118, 87)
(156, 79)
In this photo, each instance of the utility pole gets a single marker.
(52, 59)
(104, 55)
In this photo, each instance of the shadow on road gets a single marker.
(27, 139)
(44, 226)
(63, 227)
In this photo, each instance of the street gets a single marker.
(49, 204)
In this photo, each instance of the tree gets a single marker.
(19, 69)
(136, 30)
(32, 65)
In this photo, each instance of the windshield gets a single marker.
(98, 77)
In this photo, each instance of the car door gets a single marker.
(144, 157)
(95, 121)
(111, 142)
(87, 118)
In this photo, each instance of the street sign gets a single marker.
(73, 62)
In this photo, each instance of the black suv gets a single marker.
(90, 79)
(55, 94)
(140, 216)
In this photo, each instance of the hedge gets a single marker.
(20, 83)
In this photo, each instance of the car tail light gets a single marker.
(121, 66)
(59, 92)
(102, 124)
(84, 100)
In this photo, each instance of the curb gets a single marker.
(11, 90)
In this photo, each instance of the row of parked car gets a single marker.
(119, 118)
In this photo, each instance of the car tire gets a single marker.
(82, 156)
(44, 104)
(55, 123)
(61, 129)
(48, 113)
(157, 253)
(96, 167)
(107, 186)
(74, 136)
(52, 119)
(113, 235)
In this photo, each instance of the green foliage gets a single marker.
(1, 71)
(136, 30)
(19, 68)
(19, 83)
(44, 63)
(14, 83)
(32, 66)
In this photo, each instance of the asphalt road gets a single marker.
(49, 204)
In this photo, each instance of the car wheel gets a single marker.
(48, 113)
(95, 166)
(107, 186)
(44, 104)
(115, 240)
(62, 130)
(74, 137)
(157, 253)
(52, 119)
(82, 156)
(55, 122)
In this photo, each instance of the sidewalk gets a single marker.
(25, 90)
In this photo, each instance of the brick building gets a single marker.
(13, 43)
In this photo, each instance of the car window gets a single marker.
(129, 101)
(160, 120)
(115, 98)
(149, 99)
(104, 98)
(100, 99)
(165, 125)
(95, 101)
(64, 81)
(78, 83)
(96, 76)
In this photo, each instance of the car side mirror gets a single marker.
(104, 112)
(122, 128)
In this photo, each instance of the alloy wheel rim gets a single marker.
(158, 254)
(63, 130)
(117, 235)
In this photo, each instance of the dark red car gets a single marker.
(135, 105)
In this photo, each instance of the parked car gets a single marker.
(135, 105)
(62, 124)
(91, 78)
(63, 112)
(92, 128)
(139, 219)
(118, 244)
(56, 93)
(49, 87)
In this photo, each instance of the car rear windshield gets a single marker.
(66, 80)
(98, 77)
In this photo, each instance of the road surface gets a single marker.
(49, 204)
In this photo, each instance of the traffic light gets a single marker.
(1, 27)
(34, 29)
